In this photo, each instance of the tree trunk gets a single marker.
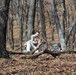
(4, 4)
(12, 37)
(21, 26)
(31, 17)
(60, 34)
(52, 28)
(37, 19)
(73, 40)
(26, 18)
(63, 16)
(69, 31)
(68, 16)
(11, 25)
(42, 22)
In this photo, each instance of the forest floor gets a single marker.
(45, 64)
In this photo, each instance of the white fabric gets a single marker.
(37, 51)
(30, 44)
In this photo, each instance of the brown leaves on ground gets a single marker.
(45, 64)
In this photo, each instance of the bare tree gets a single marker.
(63, 16)
(21, 26)
(52, 28)
(11, 25)
(37, 16)
(60, 34)
(42, 22)
(4, 9)
(31, 17)
(70, 31)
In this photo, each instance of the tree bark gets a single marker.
(73, 40)
(11, 25)
(69, 31)
(63, 16)
(31, 18)
(21, 26)
(43, 22)
(52, 28)
(60, 34)
(3, 26)
(37, 19)
(12, 37)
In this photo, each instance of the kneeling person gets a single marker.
(32, 43)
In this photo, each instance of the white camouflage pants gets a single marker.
(29, 46)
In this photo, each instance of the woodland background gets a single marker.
(56, 22)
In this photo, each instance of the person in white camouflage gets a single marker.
(32, 43)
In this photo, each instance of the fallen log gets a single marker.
(36, 48)
(33, 55)
(53, 53)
